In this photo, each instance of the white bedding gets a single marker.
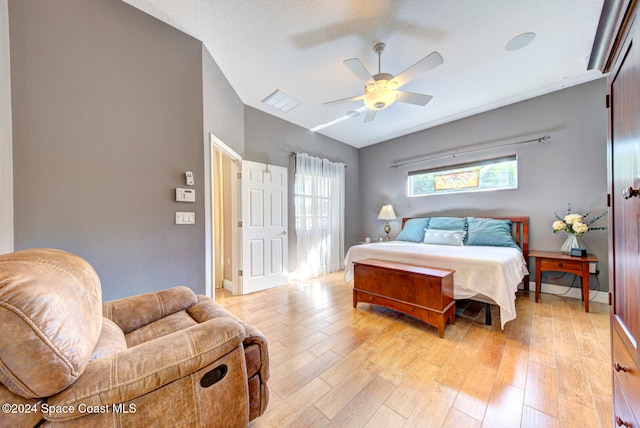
(494, 272)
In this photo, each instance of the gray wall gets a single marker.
(271, 140)
(6, 163)
(569, 168)
(223, 116)
(107, 116)
(223, 110)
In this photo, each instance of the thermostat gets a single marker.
(185, 195)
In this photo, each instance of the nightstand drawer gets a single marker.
(570, 266)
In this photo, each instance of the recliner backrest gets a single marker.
(51, 318)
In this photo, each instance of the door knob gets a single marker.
(620, 422)
(617, 367)
(630, 192)
(284, 232)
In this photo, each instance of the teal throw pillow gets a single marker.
(448, 223)
(490, 232)
(413, 230)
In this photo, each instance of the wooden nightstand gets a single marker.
(556, 261)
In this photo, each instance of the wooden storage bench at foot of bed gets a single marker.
(421, 292)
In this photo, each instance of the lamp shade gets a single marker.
(386, 213)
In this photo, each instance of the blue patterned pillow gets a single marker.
(413, 230)
(490, 232)
(444, 237)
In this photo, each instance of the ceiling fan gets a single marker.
(381, 90)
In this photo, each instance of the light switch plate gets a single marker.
(185, 218)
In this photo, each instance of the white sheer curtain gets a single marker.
(319, 216)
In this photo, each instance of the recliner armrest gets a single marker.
(207, 308)
(253, 335)
(149, 366)
(131, 313)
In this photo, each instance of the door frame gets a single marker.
(216, 144)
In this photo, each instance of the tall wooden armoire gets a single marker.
(617, 52)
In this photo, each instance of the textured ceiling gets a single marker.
(299, 47)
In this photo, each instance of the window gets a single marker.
(319, 216)
(490, 174)
(312, 202)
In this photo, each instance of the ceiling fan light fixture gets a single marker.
(381, 90)
(379, 96)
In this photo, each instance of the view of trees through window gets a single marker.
(490, 174)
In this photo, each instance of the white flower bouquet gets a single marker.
(575, 224)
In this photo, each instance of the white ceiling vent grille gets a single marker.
(281, 101)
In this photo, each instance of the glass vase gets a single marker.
(573, 241)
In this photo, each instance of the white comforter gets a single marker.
(493, 272)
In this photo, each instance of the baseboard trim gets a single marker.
(571, 292)
(227, 285)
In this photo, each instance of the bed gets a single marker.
(488, 265)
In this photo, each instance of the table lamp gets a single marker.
(387, 213)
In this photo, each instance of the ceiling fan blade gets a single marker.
(413, 98)
(359, 69)
(343, 100)
(371, 114)
(427, 63)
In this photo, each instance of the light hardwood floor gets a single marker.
(333, 365)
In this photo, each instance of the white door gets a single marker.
(265, 248)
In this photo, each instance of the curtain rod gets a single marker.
(453, 155)
(293, 154)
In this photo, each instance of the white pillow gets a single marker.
(443, 237)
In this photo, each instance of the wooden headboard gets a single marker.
(519, 230)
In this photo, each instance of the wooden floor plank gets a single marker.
(457, 419)
(341, 395)
(514, 364)
(310, 418)
(474, 395)
(434, 407)
(360, 409)
(574, 414)
(384, 417)
(288, 410)
(294, 381)
(492, 349)
(541, 392)
(505, 407)
(573, 383)
(409, 393)
(600, 382)
(532, 418)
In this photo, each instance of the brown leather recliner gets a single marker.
(169, 358)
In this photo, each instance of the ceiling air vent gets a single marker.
(281, 101)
